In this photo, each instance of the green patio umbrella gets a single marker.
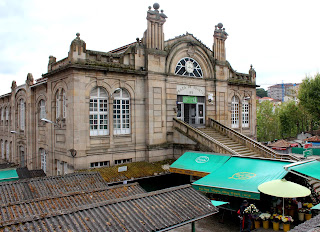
(283, 188)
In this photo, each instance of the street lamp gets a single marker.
(48, 121)
(52, 139)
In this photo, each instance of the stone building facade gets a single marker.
(95, 108)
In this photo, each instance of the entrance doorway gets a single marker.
(191, 109)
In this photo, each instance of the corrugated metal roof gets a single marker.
(28, 189)
(154, 211)
(315, 138)
(134, 170)
(280, 143)
(17, 211)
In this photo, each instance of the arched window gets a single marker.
(2, 149)
(7, 115)
(245, 113)
(22, 114)
(64, 104)
(42, 109)
(57, 105)
(121, 112)
(98, 116)
(43, 156)
(2, 115)
(234, 112)
(7, 150)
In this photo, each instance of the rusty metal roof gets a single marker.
(17, 211)
(155, 211)
(135, 170)
(28, 189)
(315, 138)
(280, 143)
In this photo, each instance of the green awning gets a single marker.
(311, 169)
(316, 206)
(198, 164)
(218, 203)
(8, 175)
(240, 177)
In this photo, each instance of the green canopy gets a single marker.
(240, 177)
(218, 203)
(311, 169)
(198, 164)
(8, 175)
(316, 206)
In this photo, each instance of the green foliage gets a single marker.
(261, 92)
(283, 121)
(294, 119)
(268, 123)
(309, 95)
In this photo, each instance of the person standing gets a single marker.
(245, 221)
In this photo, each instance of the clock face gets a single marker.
(188, 67)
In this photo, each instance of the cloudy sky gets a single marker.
(279, 38)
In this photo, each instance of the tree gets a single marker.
(294, 119)
(268, 123)
(309, 95)
(261, 92)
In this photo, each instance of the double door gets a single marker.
(191, 113)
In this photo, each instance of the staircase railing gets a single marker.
(201, 137)
(248, 142)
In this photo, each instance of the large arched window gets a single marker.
(7, 115)
(64, 103)
(57, 105)
(98, 118)
(245, 113)
(2, 149)
(42, 109)
(43, 157)
(188, 67)
(121, 112)
(7, 150)
(234, 112)
(2, 115)
(22, 114)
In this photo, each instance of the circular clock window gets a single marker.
(188, 67)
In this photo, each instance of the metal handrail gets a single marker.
(206, 136)
(247, 140)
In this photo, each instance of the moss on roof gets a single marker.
(134, 170)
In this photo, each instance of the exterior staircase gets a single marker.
(314, 186)
(221, 139)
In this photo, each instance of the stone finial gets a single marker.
(156, 6)
(52, 59)
(13, 85)
(77, 48)
(252, 73)
(220, 31)
(29, 80)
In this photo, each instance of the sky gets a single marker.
(280, 38)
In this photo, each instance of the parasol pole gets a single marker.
(283, 206)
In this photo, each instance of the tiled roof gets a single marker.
(28, 189)
(311, 225)
(122, 49)
(134, 170)
(280, 143)
(25, 173)
(17, 211)
(154, 211)
(315, 138)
